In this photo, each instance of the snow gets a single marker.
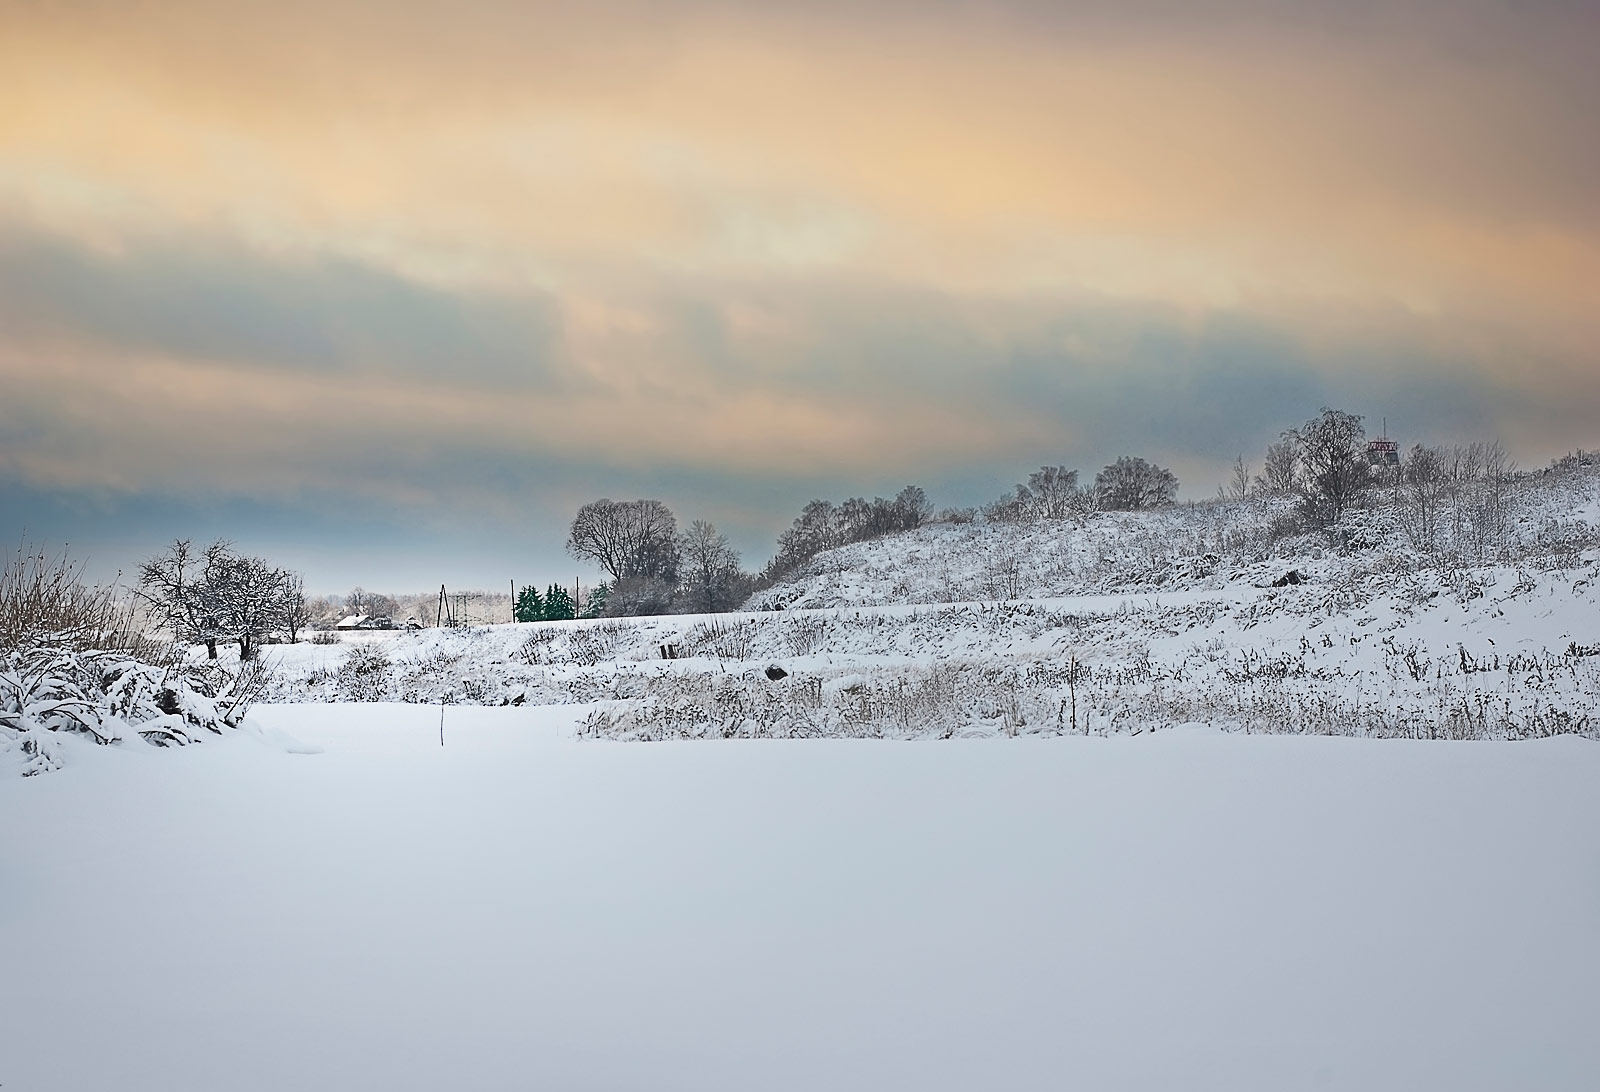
(1214, 545)
(519, 909)
(1197, 878)
(1115, 622)
(1498, 652)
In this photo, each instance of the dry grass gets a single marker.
(44, 601)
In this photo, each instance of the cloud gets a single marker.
(212, 301)
(445, 257)
(158, 369)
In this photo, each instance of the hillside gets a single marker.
(1123, 623)
(1550, 517)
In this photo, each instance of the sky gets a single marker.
(385, 290)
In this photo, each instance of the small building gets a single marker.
(366, 621)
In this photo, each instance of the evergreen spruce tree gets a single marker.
(530, 608)
(558, 604)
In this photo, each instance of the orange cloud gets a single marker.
(618, 158)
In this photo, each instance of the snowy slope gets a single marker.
(1210, 545)
(518, 910)
(1494, 653)
(1123, 623)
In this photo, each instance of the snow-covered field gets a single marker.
(1181, 871)
(1112, 623)
(519, 909)
(1493, 653)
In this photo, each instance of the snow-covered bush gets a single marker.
(365, 675)
(108, 697)
(74, 661)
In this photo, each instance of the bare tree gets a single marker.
(639, 596)
(252, 594)
(709, 569)
(1131, 484)
(858, 517)
(911, 508)
(182, 587)
(215, 595)
(1280, 473)
(1050, 493)
(382, 606)
(1238, 487)
(818, 527)
(297, 613)
(822, 525)
(1333, 470)
(1491, 510)
(1478, 477)
(1424, 484)
(1053, 492)
(630, 540)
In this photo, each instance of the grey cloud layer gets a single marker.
(1098, 367)
(227, 305)
(1075, 380)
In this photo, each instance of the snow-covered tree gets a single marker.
(594, 604)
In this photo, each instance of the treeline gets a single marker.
(653, 569)
(465, 607)
(823, 525)
(555, 605)
(1444, 497)
(1130, 484)
(651, 566)
(1450, 494)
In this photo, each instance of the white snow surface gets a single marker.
(518, 909)
(1499, 652)
(1115, 623)
(1213, 545)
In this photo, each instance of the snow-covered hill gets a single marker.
(1550, 517)
(1174, 617)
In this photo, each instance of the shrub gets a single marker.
(365, 675)
(44, 601)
